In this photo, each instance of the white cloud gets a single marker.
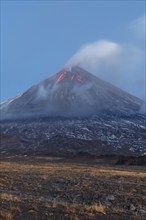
(122, 64)
(96, 52)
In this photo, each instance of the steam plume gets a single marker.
(122, 64)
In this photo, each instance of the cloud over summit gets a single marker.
(120, 63)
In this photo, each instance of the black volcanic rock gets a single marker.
(99, 135)
(69, 93)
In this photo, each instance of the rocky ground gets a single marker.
(77, 188)
(101, 134)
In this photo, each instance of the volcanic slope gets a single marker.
(69, 93)
(51, 118)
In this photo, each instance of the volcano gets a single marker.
(73, 111)
(72, 92)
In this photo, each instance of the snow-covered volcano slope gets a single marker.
(71, 92)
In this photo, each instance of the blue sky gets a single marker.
(39, 37)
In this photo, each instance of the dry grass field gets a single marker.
(47, 188)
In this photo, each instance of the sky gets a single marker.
(39, 37)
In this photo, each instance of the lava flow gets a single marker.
(70, 76)
(80, 79)
(61, 77)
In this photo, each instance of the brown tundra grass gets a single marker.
(46, 188)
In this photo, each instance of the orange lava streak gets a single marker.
(61, 77)
(79, 79)
(72, 78)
